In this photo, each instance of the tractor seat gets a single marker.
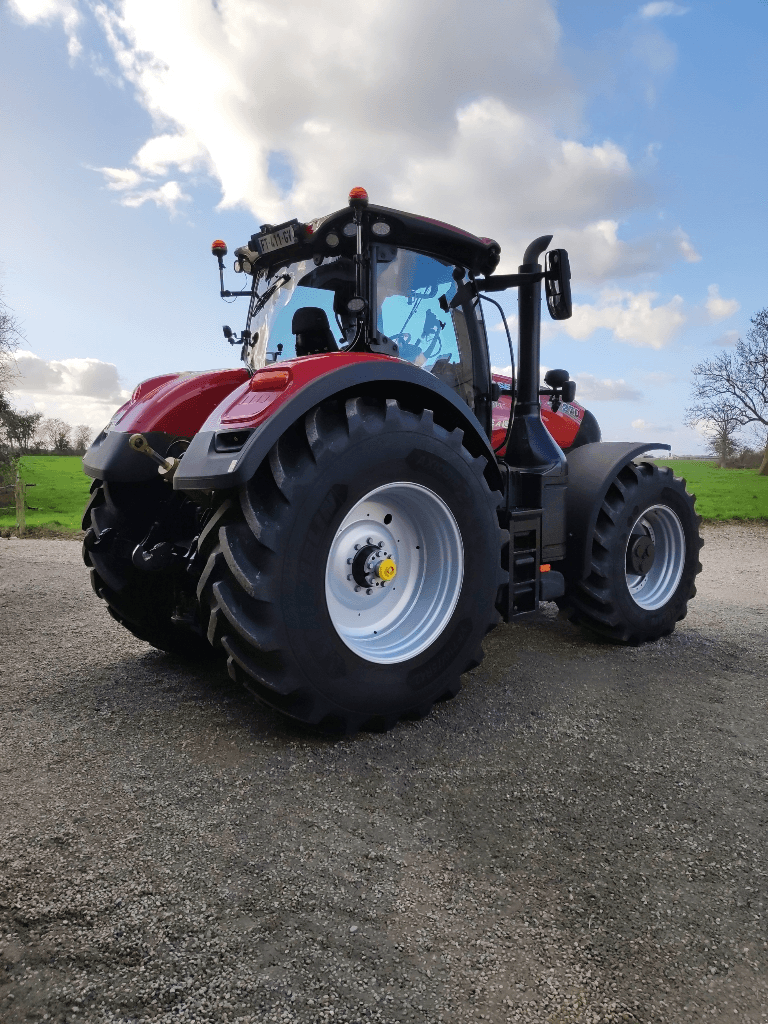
(313, 332)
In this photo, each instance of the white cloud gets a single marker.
(164, 151)
(719, 308)
(78, 390)
(594, 389)
(235, 90)
(120, 179)
(630, 316)
(662, 9)
(65, 11)
(645, 427)
(90, 377)
(168, 195)
(597, 253)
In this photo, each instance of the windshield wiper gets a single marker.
(264, 298)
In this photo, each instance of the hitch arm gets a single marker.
(165, 467)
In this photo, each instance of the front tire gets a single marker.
(644, 558)
(301, 592)
(116, 518)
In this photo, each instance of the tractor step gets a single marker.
(528, 585)
(524, 564)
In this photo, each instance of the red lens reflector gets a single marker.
(270, 380)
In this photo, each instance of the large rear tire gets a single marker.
(117, 517)
(644, 558)
(363, 574)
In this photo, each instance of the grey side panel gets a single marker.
(111, 458)
(592, 469)
(203, 468)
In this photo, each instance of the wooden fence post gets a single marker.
(21, 501)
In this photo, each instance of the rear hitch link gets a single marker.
(153, 554)
(165, 467)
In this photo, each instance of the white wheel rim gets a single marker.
(394, 620)
(656, 587)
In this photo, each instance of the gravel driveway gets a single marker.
(579, 836)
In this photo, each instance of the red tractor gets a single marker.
(351, 512)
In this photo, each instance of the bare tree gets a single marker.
(739, 379)
(720, 423)
(82, 438)
(55, 435)
(10, 336)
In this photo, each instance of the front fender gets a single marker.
(267, 415)
(592, 469)
(167, 410)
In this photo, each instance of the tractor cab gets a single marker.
(369, 279)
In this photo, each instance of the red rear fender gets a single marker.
(167, 410)
(177, 403)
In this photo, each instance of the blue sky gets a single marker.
(134, 133)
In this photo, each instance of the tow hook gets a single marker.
(160, 556)
(154, 554)
(165, 467)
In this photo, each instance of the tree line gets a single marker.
(30, 433)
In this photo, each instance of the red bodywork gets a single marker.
(563, 425)
(182, 404)
(177, 403)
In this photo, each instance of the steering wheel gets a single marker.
(404, 347)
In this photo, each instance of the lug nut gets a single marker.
(358, 589)
(369, 592)
(350, 578)
(369, 540)
(350, 561)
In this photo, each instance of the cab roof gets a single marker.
(406, 230)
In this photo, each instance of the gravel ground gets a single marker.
(578, 837)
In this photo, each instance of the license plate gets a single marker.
(277, 239)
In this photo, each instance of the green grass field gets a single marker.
(723, 493)
(61, 491)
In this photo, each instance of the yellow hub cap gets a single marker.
(387, 570)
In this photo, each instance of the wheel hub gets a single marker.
(372, 566)
(655, 557)
(641, 554)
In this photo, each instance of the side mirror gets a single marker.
(569, 391)
(557, 279)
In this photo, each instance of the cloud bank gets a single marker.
(444, 121)
(78, 390)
